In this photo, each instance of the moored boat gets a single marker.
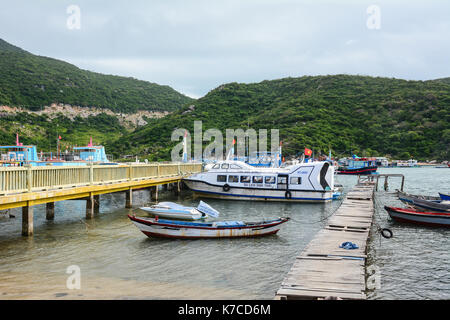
(173, 210)
(428, 203)
(419, 217)
(304, 182)
(358, 166)
(195, 230)
(444, 197)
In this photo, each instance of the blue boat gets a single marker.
(444, 197)
(358, 166)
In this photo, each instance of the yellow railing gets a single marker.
(29, 179)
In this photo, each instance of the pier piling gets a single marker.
(129, 199)
(27, 220)
(90, 203)
(50, 211)
(96, 204)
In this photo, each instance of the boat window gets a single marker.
(216, 166)
(270, 179)
(245, 179)
(296, 180)
(233, 178)
(235, 166)
(221, 178)
(225, 165)
(282, 180)
(257, 179)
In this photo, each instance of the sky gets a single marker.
(195, 46)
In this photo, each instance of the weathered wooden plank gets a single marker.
(323, 269)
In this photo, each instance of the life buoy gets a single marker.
(288, 195)
(386, 233)
(226, 187)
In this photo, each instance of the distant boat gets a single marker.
(171, 210)
(195, 230)
(409, 164)
(358, 166)
(419, 217)
(428, 203)
(444, 197)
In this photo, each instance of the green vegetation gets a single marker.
(32, 81)
(349, 114)
(43, 132)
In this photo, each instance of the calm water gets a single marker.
(117, 261)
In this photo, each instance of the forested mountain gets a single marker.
(350, 114)
(32, 81)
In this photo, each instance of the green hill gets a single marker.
(364, 115)
(33, 81)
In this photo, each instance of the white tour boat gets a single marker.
(229, 179)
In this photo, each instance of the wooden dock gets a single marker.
(324, 270)
(29, 186)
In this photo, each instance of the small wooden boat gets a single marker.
(173, 210)
(427, 203)
(444, 197)
(419, 217)
(154, 227)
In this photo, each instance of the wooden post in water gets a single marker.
(96, 204)
(27, 220)
(90, 207)
(129, 198)
(50, 211)
(386, 183)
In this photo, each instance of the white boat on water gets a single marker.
(173, 210)
(303, 182)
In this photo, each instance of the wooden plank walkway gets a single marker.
(323, 270)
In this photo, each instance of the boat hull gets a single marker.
(444, 197)
(170, 229)
(235, 193)
(427, 203)
(356, 171)
(418, 217)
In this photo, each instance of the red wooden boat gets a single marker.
(441, 219)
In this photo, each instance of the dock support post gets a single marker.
(154, 193)
(403, 183)
(50, 211)
(96, 204)
(386, 183)
(129, 198)
(27, 220)
(90, 207)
